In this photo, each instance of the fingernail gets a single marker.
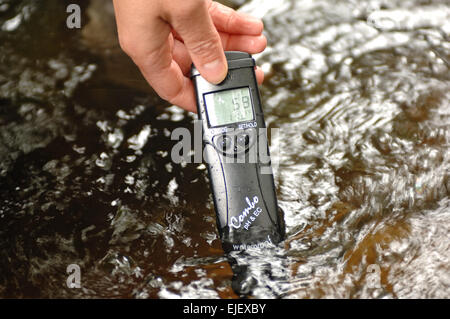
(212, 65)
(252, 19)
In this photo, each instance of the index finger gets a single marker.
(230, 21)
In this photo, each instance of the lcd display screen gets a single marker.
(229, 106)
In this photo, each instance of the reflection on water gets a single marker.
(360, 92)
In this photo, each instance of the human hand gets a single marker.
(163, 37)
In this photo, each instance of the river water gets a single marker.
(359, 92)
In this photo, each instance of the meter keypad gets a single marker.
(224, 142)
(234, 142)
(243, 139)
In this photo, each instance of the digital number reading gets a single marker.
(229, 106)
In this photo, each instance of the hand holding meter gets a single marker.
(235, 140)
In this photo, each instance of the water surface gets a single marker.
(360, 93)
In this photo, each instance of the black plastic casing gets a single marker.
(244, 198)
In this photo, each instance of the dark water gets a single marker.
(360, 93)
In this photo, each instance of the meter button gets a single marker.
(223, 142)
(243, 139)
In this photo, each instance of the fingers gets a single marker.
(230, 21)
(236, 42)
(192, 22)
(250, 44)
(259, 75)
(245, 43)
(181, 56)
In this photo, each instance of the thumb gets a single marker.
(196, 28)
